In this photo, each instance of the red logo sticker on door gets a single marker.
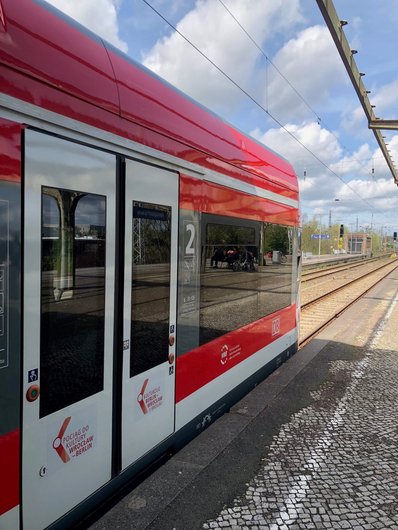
(74, 439)
(57, 443)
(150, 399)
(224, 354)
(228, 353)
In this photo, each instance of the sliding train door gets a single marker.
(149, 308)
(69, 254)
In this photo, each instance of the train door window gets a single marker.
(72, 297)
(150, 296)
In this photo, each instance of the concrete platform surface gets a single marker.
(314, 446)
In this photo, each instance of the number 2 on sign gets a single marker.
(190, 249)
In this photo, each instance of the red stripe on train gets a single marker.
(201, 365)
(10, 151)
(207, 197)
(9, 465)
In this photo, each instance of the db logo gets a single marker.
(276, 326)
(224, 354)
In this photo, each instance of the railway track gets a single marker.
(312, 274)
(323, 284)
(319, 311)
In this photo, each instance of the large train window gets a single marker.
(228, 290)
(246, 273)
(150, 297)
(72, 297)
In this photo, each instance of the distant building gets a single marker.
(358, 243)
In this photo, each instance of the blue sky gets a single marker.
(298, 78)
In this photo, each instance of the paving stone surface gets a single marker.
(314, 446)
(334, 465)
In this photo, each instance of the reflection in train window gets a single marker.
(72, 297)
(275, 278)
(150, 297)
(246, 273)
(228, 295)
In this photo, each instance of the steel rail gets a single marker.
(342, 305)
(337, 268)
(345, 285)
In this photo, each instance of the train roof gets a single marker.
(51, 61)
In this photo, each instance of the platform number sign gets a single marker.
(189, 267)
(190, 239)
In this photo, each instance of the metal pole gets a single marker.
(320, 234)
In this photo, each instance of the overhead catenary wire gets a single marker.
(271, 62)
(258, 104)
(263, 53)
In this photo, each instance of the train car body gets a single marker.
(148, 267)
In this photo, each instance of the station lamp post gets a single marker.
(383, 235)
(330, 213)
(330, 224)
(320, 235)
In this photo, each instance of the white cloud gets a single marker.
(354, 121)
(210, 27)
(360, 192)
(318, 186)
(372, 196)
(357, 163)
(386, 99)
(100, 16)
(316, 139)
(393, 146)
(311, 63)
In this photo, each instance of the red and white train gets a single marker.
(149, 262)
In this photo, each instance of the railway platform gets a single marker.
(310, 260)
(315, 446)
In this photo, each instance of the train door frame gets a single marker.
(66, 449)
(148, 402)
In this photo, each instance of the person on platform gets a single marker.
(217, 257)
